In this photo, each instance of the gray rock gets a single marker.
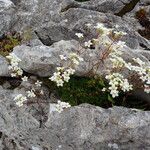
(75, 19)
(43, 60)
(13, 121)
(49, 19)
(7, 13)
(105, 6)
(88, 127)
(4, 67)
(82, 127)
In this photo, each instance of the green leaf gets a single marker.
(110, 99)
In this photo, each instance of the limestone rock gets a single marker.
(4, 67)
(7, 11)
(42, 60)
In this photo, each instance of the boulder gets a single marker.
(4, 67)
(81, 127)
(57, 20)
(42, 60)
(89, 127)
(7, 14)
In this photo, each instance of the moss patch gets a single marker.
(88, 90)
(85, 90)
(8, 42)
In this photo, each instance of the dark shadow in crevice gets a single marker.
(143, 19)
(127, 8)
(47, 41)
(16, 2)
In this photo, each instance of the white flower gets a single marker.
(24, 79)
(88, 44)
(147, 88)
(79, 35)
(20, 99)
(104, 89)
(139, 61)
(99, 26)
(75, 61)
(60, 106)
(14, 62)
(13, 75)
(31, 94)
(114, 93)
(116, 82)
(60, 82)
(117, 26)
(19, 72)
(117, 46)
(120, 33)
(80, 59)
(38, 83)
(73, 55)
(60, 68)
(62, 57)
(66, 76)
(88, 25)
(117, 62)
(103, 29)
(19, 103)
(70, 71)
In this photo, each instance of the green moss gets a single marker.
(88, 90)
(85, 90)
(8, 42)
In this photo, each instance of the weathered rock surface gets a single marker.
(78, 128)
(84, 127)
(13, 121)
(60, 19)
(112, 6)
(89, 127)
(42, 60)
(4, 67)
(7, 12)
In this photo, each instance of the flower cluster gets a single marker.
(60, 106)
(63, 73)
(117, 83)
(79, 35)
(34, 90)
(31, 93)
(102, 29)
(20, 99)
(115, 55)
(109, 41)
(143, 70)
(13, 67)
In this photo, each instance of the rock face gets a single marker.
(3, 67)
(78, 128)
(42, 60)
(89, 127)
(7, 10)
(66, 17)
(52, 25)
